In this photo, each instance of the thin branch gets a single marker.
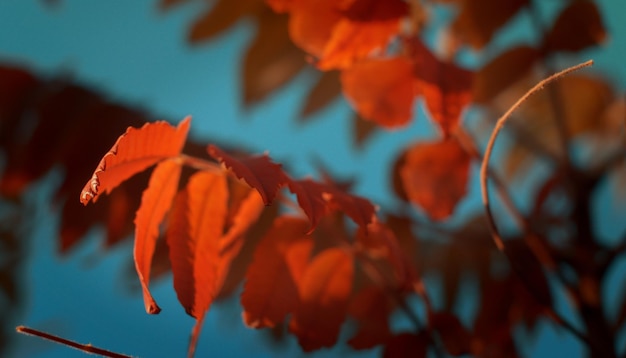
(486, 202)
(492, 139)
(199, 163)
(87, 348)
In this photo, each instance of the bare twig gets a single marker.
(87, 348)
(492, 139)
(486, 202)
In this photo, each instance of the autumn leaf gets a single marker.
(503, 71)
(324, 91)
(221, 16)
(454, 336)
(310, 197)
(379, 243)
(446, 87)
(257, 171)
(366, 26)
(311, 24)
(319, 199)
(370, 307)
(155, 203)
(133, 152)
(479, 20)
(324, 293)
(385, 99)
(249, 210)
(193, 236)
(271, 60)
(434, 176)
(406, 345)
(280, 260)
(578, 27)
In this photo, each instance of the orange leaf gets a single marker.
(366, 26)
(193, 236)
(271, 290)
(446, 88)
(133, 152)
(579, 26)
(434, 176)
(249, 211)
(311, 24)
(194, 239)
(324, 292)
(381, 90)
(259, 172)
(155, 202)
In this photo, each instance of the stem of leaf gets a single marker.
(199, 163)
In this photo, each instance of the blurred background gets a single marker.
(93, 68)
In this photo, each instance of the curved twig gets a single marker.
(492, 139)
(485, 192)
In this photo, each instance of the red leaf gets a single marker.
(155, 202)
(193, 236)
(317, 200)
(434, 176)
(406, 345)
(503, 71)
(324, 292)
(446, 88)
(365, 27)
(385, 99)
(380, 242)
(310, 197)
(579, 26)
(133, 152)
(479, 20)
(370, 307)
(271, 290)
(259, 172)
(454, 336)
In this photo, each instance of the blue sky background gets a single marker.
(138, 55)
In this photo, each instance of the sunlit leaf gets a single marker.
(155, 203)
(280, 260)
(324, 293)
(133, 152)
(435, 175)
(385, 99)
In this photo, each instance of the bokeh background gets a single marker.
(136, 54)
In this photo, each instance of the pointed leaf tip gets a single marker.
(259, 172)
(133, 152)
